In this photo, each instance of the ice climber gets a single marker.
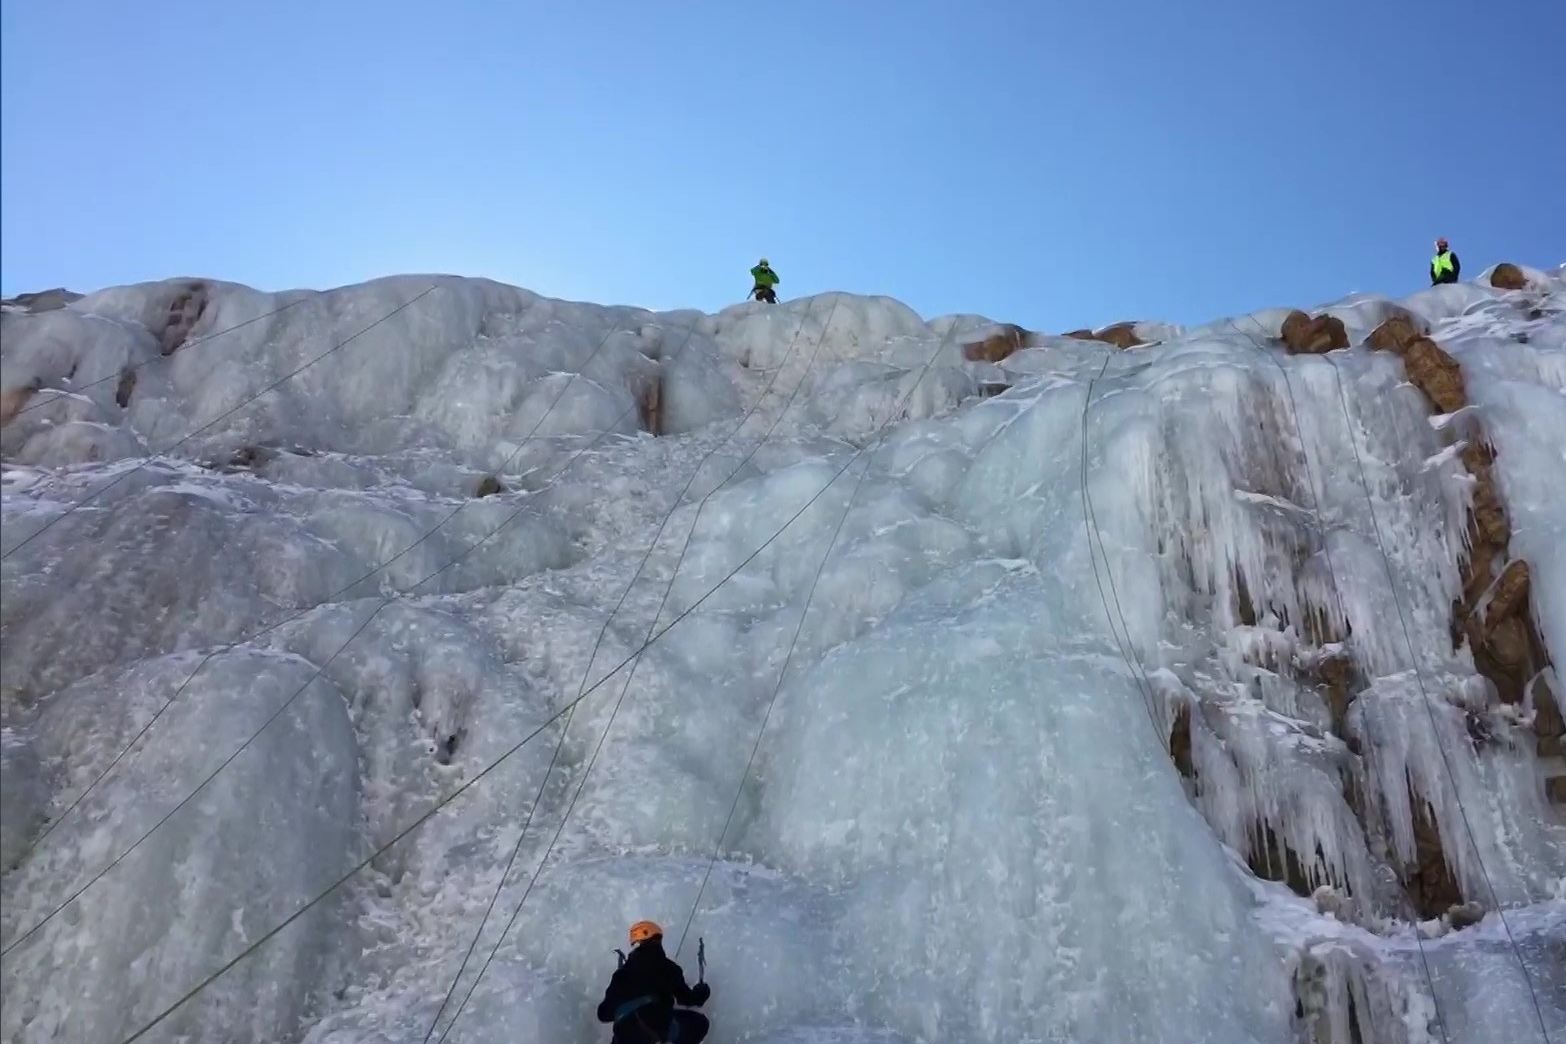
(765, 279)
(1444, 267)
(641, 997)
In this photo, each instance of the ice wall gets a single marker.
(1104, 719)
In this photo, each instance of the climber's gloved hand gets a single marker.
(700, 992)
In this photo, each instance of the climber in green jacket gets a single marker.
(1444, 267)
(765, 279)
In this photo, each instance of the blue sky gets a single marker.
(1052, 163)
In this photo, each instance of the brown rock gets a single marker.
(1429, 880)
(1394, 335)
(14, 400)
(1480, 574)
(1555, 790)
(1551, 747)
(1510, 595)
(184, 311)
(1507, 643)
(1464, 915)
(1306, 336)
(1477, 456)
(1121, 335)
(998, 345)
(1436, 374)
(43, 300)
(248, 458)
(1547, 720)
(1180, 742)
(488, 486)
(122, 390)
(649, 404)
(1508, 276)
(1337, 674)
(1489, 516)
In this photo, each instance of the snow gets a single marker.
(964, 821)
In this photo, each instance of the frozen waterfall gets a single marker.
(1189, 692)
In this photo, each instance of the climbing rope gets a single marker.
(1321, 533)
(490, 767)
(62, 394)
(208, 426)
(1144, 683)
(1425, 697)
(598, 643)
(1425, 700)
(1138, 670)
(316, 673)
(1310, 472)
(810, 595)
(335, 595)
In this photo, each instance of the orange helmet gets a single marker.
(641, 931)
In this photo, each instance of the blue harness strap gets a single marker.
(631, 1007)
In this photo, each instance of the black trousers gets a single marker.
(685, 1027)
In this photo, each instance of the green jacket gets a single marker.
(764, 276)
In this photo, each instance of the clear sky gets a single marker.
(1052, 163)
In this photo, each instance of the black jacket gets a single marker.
(1446, 277)
(648, 973)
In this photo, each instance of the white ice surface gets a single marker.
(962, 823)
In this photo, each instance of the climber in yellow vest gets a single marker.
(765, 280)
(1444, 267)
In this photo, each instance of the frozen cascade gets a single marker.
(1243, 804)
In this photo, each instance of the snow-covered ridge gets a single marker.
(970, 817)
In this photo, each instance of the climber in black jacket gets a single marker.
(641, 997)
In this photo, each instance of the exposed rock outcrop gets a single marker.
(1395, 334)
(1430, 882)
(1303, 335)
(1006, 340)
(1465, 915)
(649, 404)
(1508, 276)
(1121, 335)
(1436, 374)
(125, 388)
(1180, 742)
(184, 311)
(14, 400)
(1502, 637)
(42, 300)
